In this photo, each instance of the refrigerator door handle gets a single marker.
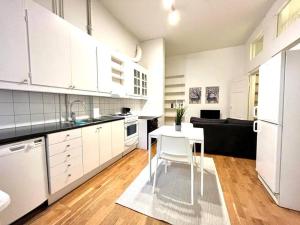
(256, 126)
(255, 112)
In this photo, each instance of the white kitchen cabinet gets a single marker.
(83, 61)
(49, 41)
(117, 133)
(13, 42)
(64, 158)
(136, 80)
(90, 148)
(104, 69)
(105, 142)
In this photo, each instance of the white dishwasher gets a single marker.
(23, 176)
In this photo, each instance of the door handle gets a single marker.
(255, 111)
(255, 126)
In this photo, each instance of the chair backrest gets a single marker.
(174, 145)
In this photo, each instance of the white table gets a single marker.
(195, 135)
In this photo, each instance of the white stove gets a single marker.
(131, 131)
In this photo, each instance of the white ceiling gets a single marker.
(205, 24)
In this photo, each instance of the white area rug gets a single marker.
(171, 203)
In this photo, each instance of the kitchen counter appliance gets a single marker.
(23, 176)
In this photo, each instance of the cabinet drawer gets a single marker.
(65, 167)
(63, 136)
(62, 180)
(64, 156)
(64, 146)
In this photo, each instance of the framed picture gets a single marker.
(212, 95)
(195, 95)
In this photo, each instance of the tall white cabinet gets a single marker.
(83, 61)
(13, 43)
(49, 38)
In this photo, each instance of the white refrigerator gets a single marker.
(278, 128)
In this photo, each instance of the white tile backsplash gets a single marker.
(6, 109)
(21, 108)
(6, 96)
(20, 96)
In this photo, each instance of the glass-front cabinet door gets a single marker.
(137, 82)
(144, 84)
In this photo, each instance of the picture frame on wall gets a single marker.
(195, 95)
(212, 95)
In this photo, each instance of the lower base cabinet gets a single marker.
(105, 142)
(74, 153)
(90, 148)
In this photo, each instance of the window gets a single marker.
(289, 14)
(256, 47)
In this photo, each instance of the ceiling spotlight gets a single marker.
(168, 4)
(174, 17)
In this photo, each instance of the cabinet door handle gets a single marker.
(69, 175)
(71, 86)
(68, 146)
(68, 155)
(69, 165)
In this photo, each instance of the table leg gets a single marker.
(202, 166)
(149, 156)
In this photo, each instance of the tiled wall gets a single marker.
(19, 108)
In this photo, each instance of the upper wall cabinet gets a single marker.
(83, 60)
(137, 80)
(49, 41)
(13, 42)
(104, 69)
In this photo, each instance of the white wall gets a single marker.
(111, 32)
(154, 60)
(272, 43)
(209, 68)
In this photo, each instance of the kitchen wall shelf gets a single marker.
(174, 95)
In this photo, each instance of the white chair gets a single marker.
(175, 149)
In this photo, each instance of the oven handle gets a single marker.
(135, 141)
(131, 123)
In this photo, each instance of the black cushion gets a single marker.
(241, 122)
(229, 137)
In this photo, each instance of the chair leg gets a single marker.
(155, 176)
(192, 182)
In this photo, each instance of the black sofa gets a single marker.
(230, 137)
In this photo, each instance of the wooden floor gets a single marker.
(94, 202)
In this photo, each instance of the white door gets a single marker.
(13, 42)
(290, 166)
(268, 154)
(105, 143)
(49, 38)
(117, 132)
(270, 94)
(84, 61)
(239, 90)
(90, 148)
(104, 69)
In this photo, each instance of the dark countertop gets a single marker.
(10, 135)
(148, 117)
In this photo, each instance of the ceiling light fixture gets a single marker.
(168, 4)
(174, 17)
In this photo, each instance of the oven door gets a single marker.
(131, 130)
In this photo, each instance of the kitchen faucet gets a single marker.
(73, 114)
